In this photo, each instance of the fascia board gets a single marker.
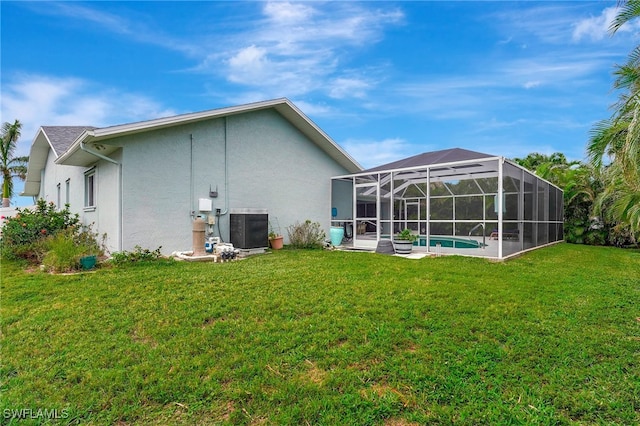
(105, 133)
(318, 136)
(285, 107)
(159, 123)
(75, 146)
(38, 154)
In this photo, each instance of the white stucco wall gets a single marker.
(104, 218)
(271, 165)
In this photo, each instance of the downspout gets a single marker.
(226, 172)
(84, 148)
(191, 183)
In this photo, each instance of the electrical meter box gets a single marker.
(205, 205)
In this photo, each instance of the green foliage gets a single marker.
(328, 337)
(66, 247)
(63, 255)
(618, 140)
(23, 235)
(590, 217)
(306, 235)
(11, 166)
(406, 234)
(137, 255)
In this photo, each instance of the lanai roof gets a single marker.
(429, 158)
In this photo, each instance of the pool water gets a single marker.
(453, 242)
(446, 241)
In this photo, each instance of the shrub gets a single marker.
(63, 255)
(137, 255)
(24, 234)
(67, 247)
(306, 235)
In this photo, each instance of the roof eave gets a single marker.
(70, 158)
(38, 154)
(285, 107)
(319, 137)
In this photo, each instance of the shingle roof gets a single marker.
(61, 137)
(430, 158)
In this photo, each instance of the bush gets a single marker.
(306, 235)
(23, 236)
(67, 247)
(63, 255)
(137, 255)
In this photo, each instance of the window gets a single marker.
(90, 189)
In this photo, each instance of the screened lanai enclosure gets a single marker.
(454, 201)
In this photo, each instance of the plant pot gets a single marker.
(403, 246)
(88, 262)
(276, 243)
(336, 234)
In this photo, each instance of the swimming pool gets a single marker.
(447, 241)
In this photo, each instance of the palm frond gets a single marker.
(629, 10)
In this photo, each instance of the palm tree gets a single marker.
(618, 138)
(11, 166)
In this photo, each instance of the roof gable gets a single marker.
(62, 137)
(77, 155)
(429, 158)
(56, 139)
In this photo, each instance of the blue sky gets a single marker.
(385, 80)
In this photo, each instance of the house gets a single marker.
(144, 183)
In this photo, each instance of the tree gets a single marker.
(11, 166)
(581, 184)
(618, 139)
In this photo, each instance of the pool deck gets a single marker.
(419, 252)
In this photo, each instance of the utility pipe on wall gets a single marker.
(226, 172)
(191, 197)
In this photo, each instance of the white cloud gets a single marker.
(300, 47)
(372, 153)
(248, 64)
(39, 100)
(596, 27)
(285, 12)
(134, 29)
(289, 49)
(348, 88)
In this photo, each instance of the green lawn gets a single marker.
(319, 337)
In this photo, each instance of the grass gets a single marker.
(317, 337)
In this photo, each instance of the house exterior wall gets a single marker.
(71, 180)
(270, 165)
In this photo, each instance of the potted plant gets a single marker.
(276, 240)
(403, 242)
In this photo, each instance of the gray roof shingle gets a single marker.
(430, 158)
(61, 137)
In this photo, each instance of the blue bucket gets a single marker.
(336, 234)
